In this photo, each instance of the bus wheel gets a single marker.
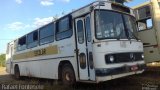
(68, 77)
(17, 73)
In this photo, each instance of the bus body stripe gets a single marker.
(51, 50)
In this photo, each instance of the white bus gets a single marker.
(92, 44)
(148, 20)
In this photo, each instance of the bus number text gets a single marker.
(40, 52)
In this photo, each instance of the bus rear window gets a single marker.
(144, 18)
(144, 12)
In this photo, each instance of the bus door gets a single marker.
(89, 47)
(84, 49)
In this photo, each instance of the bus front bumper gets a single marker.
(113, 73)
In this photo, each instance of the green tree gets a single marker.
(2, 60)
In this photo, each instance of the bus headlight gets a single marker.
(142, 56)
(111, 58)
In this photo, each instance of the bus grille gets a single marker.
(123, 57)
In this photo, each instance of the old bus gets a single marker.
(148, 20)
(92, 44)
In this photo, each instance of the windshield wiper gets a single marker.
(135, 36)
(127, 34)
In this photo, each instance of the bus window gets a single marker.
(47, 34)
(32, 39)
(149, 23)
(144, 18)
(109, 25)
(64, 28)
(88, 29)
(21, 43)
(144, 12)
(145, 24)
(80, 31)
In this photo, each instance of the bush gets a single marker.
(2, 60)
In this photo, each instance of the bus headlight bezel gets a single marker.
(110, 59)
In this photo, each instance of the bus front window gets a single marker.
(130, 25)
(111, 25)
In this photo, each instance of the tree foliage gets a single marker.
(2, 60)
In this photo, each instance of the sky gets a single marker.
(18, 17)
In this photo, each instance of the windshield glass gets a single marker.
(130, 24)
(114, 25)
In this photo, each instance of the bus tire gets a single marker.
(68, 77)
(17, 73)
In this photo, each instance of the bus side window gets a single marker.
(21, 43)
(64, 28)
(47, 34)
(32, 39)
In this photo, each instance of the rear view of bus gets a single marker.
(117, 51)
(148, 20)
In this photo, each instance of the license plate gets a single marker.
(134, 68)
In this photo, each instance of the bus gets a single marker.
(93, 44)
(148, 20)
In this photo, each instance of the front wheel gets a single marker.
(68, 77)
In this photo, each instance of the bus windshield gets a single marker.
(114, 25)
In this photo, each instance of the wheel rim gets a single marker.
(67, 77)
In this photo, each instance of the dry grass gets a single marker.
(128, 83)
(2, 70)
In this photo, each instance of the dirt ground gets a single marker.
(149, 80)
